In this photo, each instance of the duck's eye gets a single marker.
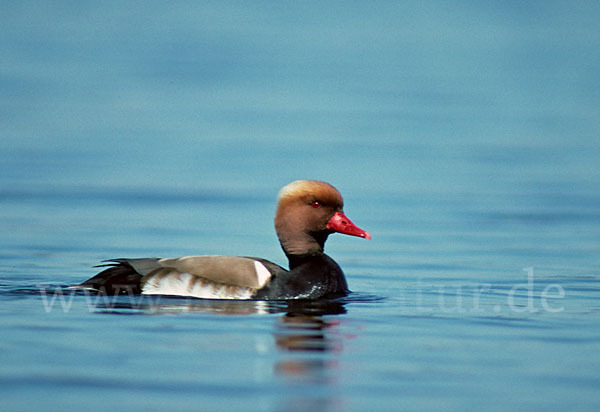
(316, 204)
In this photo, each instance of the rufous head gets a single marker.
(307, 212)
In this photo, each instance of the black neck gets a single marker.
(296, 260)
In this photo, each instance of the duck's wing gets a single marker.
(208, 276)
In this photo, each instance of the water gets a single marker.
(464, 137)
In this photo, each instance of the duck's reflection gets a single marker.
(309, 337)
(303, 328)
(306, 334)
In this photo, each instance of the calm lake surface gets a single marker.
(464, 136)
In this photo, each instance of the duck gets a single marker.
(308, 211)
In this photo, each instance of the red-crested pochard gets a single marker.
(308, 211)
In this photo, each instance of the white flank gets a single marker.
(262, 273)
(184, 284)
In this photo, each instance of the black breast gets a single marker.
(311, 276)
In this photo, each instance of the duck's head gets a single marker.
(307, 212)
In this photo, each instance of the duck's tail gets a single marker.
(119, 278)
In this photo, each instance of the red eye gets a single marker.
(315, 204)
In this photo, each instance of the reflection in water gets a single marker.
(305, 334)
(303, 328)
(308, 338)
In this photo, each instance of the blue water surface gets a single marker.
(463, 135)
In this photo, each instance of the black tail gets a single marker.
(119, 279)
